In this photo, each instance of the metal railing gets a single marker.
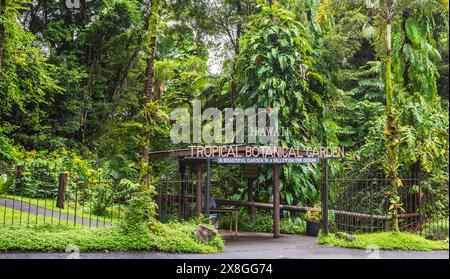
(361, 205)
(38, 196)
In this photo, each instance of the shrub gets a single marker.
(177, 237)
(3, 182)
(7, 152)
(385, 241)
(140, 214)
(47, 238)
(437, 229)
(293, 226)
(102, 201)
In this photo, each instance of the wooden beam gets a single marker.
(208, 187)
(261, 205)
(325, 198)
(198, 193)
(182, 200)
(276, 201)
(251, 208)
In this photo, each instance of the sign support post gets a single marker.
(276, 201)
(198, 194)
(325, 198)
(208, 187)
(182, 200)
(251, 209)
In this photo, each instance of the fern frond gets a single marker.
(413, 31)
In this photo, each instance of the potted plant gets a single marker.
(313, 222)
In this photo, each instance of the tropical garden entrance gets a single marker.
(353, 203)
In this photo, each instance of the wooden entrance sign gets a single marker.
(251, 171)
(250, 157)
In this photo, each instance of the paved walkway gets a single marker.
(252, 246)
(33, 209)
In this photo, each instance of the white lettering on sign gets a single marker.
(261, 160)
(210, 151)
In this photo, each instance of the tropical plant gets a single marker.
(314, 216)
(275, 69)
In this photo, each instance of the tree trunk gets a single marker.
(406, 80)
(2, 30)
(122, 74)
(392, 140)
(149, 76)
(84, 12)
(234, 86)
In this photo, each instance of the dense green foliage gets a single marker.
(276, 63)
(84, 90)
(385, 241)
(174, 238)
(140, 215)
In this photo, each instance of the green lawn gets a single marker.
(171, 238)
(385, 241)
(10, 217)
(69, 208)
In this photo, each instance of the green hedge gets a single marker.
(385, 241)
(170, 238)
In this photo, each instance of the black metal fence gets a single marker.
(358, 204)
(36, 195)
(361, 204)
(176, 198)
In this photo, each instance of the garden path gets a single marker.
(250, 246)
